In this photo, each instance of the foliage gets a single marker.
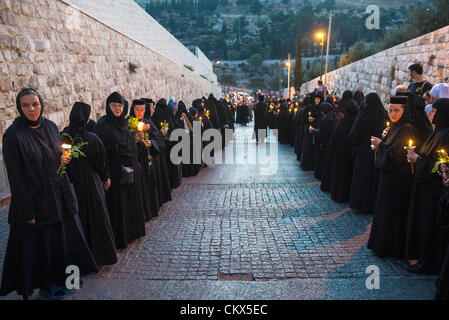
(441, 165)
(75, 151)
(188, 67)
(298, 65)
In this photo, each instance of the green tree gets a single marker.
(297, 71)
(255, 60)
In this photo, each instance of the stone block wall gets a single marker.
(70, 56)
(385, 70)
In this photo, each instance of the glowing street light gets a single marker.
(321, 35)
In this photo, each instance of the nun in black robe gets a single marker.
(313, 111)
(211, 106)
(260, 121)
(158, 146)
(124, 200)
(388, 232)
(317, 149)
(365, 178)
(149, 186)
(163, 113)
(323, 137)
(341, 155)
(426, 241)
(284, 124)
(188, 169)
(88, 175)
(421, 122)
(45, 233)
(300, 127)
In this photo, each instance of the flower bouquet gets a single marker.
(164, 125)
(73, 149)
(441, 166)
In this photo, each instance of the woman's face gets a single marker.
(395, 112)
(139, 111)
(31, 106)
(116, 108)
(317, 101)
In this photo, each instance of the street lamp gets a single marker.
(289, 66)
(321, 36)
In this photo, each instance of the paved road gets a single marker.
(234, 233)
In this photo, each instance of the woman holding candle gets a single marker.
(388, 232)
(311, 116)
(124, 198)
(426, 241)
(370, 122)
(90, 180)
(183, 120)
(45, 232)
(144, 146)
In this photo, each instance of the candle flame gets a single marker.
(140, 126)
(388, 124)
(66, 146)
(410, 143)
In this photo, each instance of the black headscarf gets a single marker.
(441, 122)
(193, 112)
(22, 117)
(347, 95)
(119, 122)
(326, 108)
(137, 102)
(406, 117)
(374, 107)
(441, 118)
(147, 107)
(78, 121)
(359, 96)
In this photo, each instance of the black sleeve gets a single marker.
(97, 157)
(102, 135)
(17, 182)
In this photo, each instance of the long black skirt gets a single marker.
(37, 257)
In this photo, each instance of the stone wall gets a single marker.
(129, 18)
(70, 56)
(385, 70)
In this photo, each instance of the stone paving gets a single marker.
(275, 237)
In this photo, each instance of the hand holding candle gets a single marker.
(410, 154)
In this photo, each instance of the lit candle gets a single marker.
(140, 126)
(388, 124)
(296, 109)
(310, 114)
(410, 143)
(66, 149)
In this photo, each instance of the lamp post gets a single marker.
(217, 64)
(321, 36)
(289, 66)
